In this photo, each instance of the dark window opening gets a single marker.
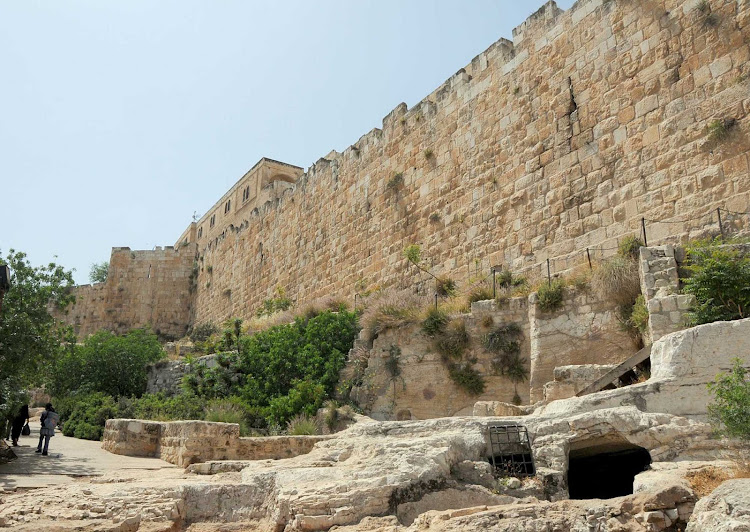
(605, 470)
(510, 451)
(213, 220)
(227, 206)
(200, 232)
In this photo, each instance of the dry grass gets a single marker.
(256, 324)
(390, 309)
(617, 280)
(708, 479)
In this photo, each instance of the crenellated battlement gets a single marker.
(590, 124)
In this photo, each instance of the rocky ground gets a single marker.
(434, 474)
(400, 476)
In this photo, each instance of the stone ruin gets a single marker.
(612, 460)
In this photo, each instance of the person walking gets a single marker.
(49, 421)
(21, 419)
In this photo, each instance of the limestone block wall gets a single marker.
(564, 139)
(143, 288)
(187, 442)
(585, 330)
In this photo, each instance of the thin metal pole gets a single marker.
(436, 301)
(549, 276)
(643, 226)
(721, 227)
(588, 256)
(493, 284)
(355, 300)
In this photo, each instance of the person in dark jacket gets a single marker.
(18, 422)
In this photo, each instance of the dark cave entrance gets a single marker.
(605, 469)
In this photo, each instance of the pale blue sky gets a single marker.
(120, 119)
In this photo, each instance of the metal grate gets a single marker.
(510, 450)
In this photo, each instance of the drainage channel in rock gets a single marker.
(510, 451)
(604, 469)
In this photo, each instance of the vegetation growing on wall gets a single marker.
(550, 295)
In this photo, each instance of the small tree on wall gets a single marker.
(99, 272)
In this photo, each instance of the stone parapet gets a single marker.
(188, 442)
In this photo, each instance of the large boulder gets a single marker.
(726, 509)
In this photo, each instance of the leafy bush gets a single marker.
(98, 272)
(435, 321)
(106, 363)
(467, 378)
(639, 315)
(84, 416)
(284, 369)
(160, 407)
(730, 410)
(617, 280)
(505, 343)
(720, 281)
(304, 397)
(550, 296)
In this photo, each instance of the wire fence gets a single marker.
(716, 222)
(713, 223)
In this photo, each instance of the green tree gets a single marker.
(99, 272)
(730, 410)
(30, 338)
(115, 365)
(720, 281)
(284, 369)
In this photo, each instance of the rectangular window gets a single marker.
(213, 220)
(227, 206)
(200, 232)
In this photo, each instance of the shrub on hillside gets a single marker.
(107, 363)
(284, 369)
(730, 411)
(720, 281)
(85, 415)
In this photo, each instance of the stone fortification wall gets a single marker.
(143, 288)
(561, 140)
(187, 442)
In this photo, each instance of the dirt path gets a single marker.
(68, 459)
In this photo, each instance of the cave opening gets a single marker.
(604, 469)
